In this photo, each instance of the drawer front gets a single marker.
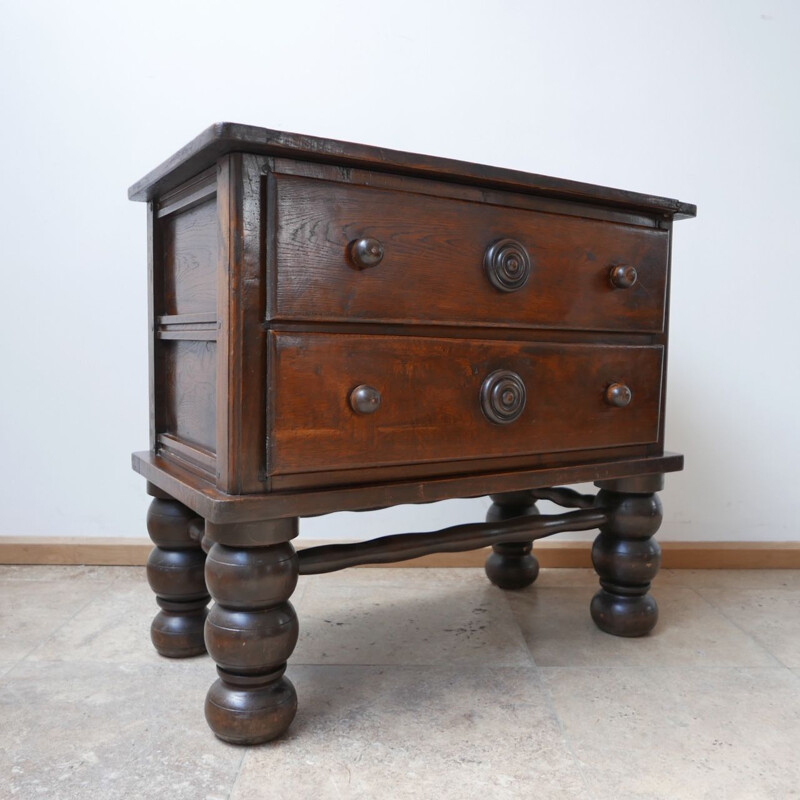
(435, 267)
(340, 401)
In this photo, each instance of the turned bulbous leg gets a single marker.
(175, 574)
(511, 565)
(627, 558)
(250, 632)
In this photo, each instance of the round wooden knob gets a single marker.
(619, 395)
(365, 252)
(502, 396)
(365, 399)
(623, 276)
(507, 265)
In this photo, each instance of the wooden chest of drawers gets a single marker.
(335, 327)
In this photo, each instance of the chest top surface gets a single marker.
(222, 138)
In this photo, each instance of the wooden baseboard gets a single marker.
(74, 550)
(677, 555)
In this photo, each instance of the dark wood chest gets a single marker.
(335, 326)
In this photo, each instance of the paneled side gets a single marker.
(190, 377)
(190, 251)
(184, 319)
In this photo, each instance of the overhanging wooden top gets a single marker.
(229, 137)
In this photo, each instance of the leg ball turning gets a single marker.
(175, 572)
(250, 633)
(511, 565)
(626, 559)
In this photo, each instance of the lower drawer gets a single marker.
(341, 401)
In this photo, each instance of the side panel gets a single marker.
(190, 379)
(183, 274)
(189, 240)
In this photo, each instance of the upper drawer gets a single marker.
(435, 267)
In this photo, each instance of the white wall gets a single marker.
(695, 100)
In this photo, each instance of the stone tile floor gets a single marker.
(413, 683)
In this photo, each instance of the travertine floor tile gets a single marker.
(682, 734)
(128, 573)
(772, 618)
(774, 579)
(690, 632)
(89, 710)
(30, 611)
(111, 731)
(114, 626)
(559, 578)
(419, 618)
(400, 577)
(50, 572)
(433, 732)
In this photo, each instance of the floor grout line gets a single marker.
(549, 699)
(515, 620)
(567, 740)
(238, 772)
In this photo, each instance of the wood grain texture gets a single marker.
(183, 260)
(194, 456)
(190, 250)
(229, 386)
(668, 226)
(175, 570)
(431, 470)
(203, 497)
(626, 558)
(242, 297)
(190, 410)
(192, 193)
(432, 269)
(431, 409)
(251, 631)
(471, 536)
(462, 191)
(155, 302)
(228, 137)
(512, 565)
